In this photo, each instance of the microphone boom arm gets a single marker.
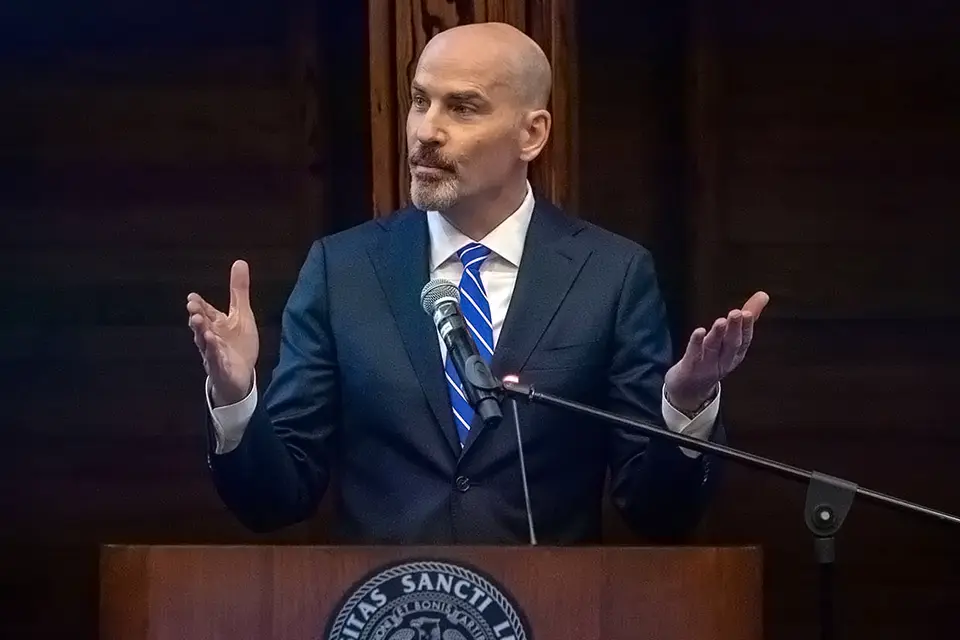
(530, 394)
(828, 499)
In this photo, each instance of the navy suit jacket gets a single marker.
(359, 392)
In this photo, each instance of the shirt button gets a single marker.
(463, 484)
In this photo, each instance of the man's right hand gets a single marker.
(229, 343)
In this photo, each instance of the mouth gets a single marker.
(427, 170)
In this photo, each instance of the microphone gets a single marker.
(440, 300)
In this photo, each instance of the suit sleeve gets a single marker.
(280, 469)
(660, 491)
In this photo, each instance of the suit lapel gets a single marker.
(401, 260)
(552, 260)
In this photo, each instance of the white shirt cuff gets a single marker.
(230, 421)
(701, 426)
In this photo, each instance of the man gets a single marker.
(364, 388)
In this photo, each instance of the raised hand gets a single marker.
(229, 343)
(711, 356)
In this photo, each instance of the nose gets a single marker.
(429, 130)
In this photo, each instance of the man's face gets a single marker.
(463, 127)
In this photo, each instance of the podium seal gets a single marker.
(426, 600)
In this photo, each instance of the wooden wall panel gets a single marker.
(111, 169)
(823, 141)
(632, 159)
(396, 38)
(147, 146)
(805, 148)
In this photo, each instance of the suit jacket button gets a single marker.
(463, 484)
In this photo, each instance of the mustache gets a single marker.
(429, 157)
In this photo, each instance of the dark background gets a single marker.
(808, 148)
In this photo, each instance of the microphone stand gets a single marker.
(828, 498)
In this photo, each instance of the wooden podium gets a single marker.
(430, 593)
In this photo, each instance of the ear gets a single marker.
(536, 132)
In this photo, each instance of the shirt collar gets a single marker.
(506, 240)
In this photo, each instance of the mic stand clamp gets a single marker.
(477, 373)
(828, 502)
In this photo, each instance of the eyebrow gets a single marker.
(460, 96)
(465, 96)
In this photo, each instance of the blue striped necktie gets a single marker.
(476, 311)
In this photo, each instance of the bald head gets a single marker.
(477, 118)
(514, 59)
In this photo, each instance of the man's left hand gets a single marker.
(710, 356)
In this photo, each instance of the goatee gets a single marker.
(433, 195)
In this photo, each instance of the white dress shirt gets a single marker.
(498, 275)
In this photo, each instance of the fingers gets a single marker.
(208, 343)
(199, 323)
(200, 326)
(240, 286)
(748, 321)
(755, 305)
(694, 352)
(724, 345)
(211, 352)
(197, 305)
(734, 334)
(751, 312)
(732, 339)
(714, 338)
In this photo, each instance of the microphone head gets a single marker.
(437, 291)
